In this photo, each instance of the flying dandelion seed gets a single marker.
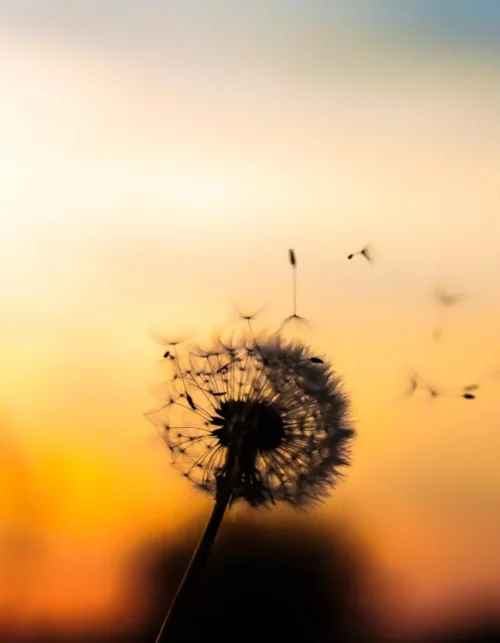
(255, 420)
(447, 299)
(444, 300)
(433, 392)
(413, 385)
(467, 393)
(248, 317)
(365, 252)
(417, 382)
(294, 317)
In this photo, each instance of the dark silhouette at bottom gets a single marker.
(281, 582)
(265, 581)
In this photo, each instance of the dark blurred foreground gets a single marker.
(277, 583)
(266, 581)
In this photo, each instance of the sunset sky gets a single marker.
(158, 159)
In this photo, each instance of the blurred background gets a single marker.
(157, 160)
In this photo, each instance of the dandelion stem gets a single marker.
(294, 292)
(171, 625)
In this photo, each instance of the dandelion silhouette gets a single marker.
(257, 420)
(294, 317)
(365, 252)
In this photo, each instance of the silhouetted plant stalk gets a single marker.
(180, 602)
(259, 420)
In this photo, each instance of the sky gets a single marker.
(157, 162)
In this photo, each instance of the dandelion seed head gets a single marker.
(276, 405)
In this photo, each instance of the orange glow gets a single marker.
(142, 196)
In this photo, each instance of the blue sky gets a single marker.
(470, 22)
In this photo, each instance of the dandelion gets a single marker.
(257, 420)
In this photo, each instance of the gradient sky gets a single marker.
(158, 160)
